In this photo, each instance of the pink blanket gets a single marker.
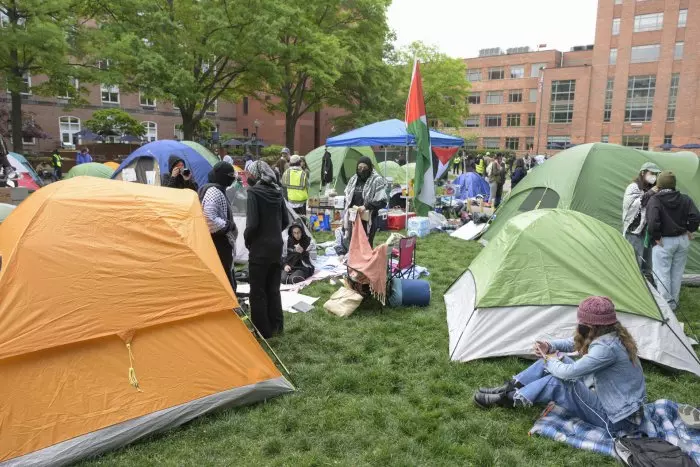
(371, 263)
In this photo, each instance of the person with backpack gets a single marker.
(672, 219)
(608, 359)
(219, 216)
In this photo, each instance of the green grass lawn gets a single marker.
(378, 388)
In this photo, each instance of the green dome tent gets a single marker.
(344, 165)
(91, 169)
(397, 172)
(592, 178)
(5, 210)
(204, 152)
(527, 282)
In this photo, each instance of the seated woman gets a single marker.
(609, 360)
(297, 263)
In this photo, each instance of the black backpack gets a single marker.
(651, 452)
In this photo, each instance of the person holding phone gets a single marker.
(608, 359)
(180, 175)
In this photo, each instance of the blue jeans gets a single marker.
(574, 396)
(668, 263)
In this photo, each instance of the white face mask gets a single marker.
(650, 179)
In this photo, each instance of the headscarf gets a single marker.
(220, 175)
(228, 159)
(365, 160)
(173, 160)
(262, 172)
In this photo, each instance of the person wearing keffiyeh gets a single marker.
(367, 191)
(219, 216)
(266, 217)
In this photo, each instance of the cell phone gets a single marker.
(186, 171)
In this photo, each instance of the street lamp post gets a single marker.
(256, 124)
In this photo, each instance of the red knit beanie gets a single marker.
(597, 311)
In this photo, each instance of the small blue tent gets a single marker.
(153, 157)
(471, 185)
(389, 133)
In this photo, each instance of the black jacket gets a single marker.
(266, 218)
(179, 181)
(670, 214)
(518, 174)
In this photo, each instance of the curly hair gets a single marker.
(582, 343)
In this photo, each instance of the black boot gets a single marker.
(486, 401)
(508, 386)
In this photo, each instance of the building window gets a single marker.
(618, 2)
(245, 132)
(496, 73)
(515, 95)
(513, 144)
(616, 26)
(26, 84)
(474, 75)
(607, 110)
(605, 139)
(613, 57)
(493, 120)
(529, 143)
(472, 121)
(492, 143)
(494, 97)
(678, 51)
(517, 72)
(636, 141)
(513, 120)
(536, 68)
(110, 94)
(178, 134)
(531, 119)
(470, 144)
(72, 82)
(673, 97)
(562, 106)
(533, 95)
(245, 105)
(68, 127)
(650, 22)
(146, 101)
(213, 107)
(474, 98)
(640, 98)
(682, 18)
(28, 140)
(151, 131)
(668, 139)
(558, 142)
(645, 53)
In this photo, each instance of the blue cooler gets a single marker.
(383, 220)
(409, 292)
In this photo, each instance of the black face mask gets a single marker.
(252, 181)
(363, 174)
(583, 330)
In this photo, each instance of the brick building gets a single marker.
(62, 121)
(636, 86)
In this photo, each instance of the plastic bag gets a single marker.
(437, 221)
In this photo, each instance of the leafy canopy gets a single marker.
(114, 122)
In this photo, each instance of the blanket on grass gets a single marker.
(661, 420)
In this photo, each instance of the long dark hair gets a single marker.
(581, 342)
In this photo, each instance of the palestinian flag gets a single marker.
(417, 125)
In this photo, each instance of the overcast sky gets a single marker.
(460, 28)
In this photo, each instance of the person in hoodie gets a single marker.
(672, 219)
(219, 215)
(366, 190)
(180, 176)
(297, 262)
(266, 218)
(518, 173)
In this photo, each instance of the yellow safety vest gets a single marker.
(57, 160)
(294, 180)
(480, 167)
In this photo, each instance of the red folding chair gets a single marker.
(405, 256)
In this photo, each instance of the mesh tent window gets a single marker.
(540, 198)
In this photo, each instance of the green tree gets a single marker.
(114, 122)
(37, 37)
(192, 53)
(322, 45)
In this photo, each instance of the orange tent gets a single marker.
(112, 165)
(116, 321)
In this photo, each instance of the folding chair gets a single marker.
(405, 255)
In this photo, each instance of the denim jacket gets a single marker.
(619, 382)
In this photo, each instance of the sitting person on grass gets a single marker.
(297, 262)
(608, 361)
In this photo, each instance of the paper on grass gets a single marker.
(289, 299)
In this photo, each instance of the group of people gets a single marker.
(659, 222)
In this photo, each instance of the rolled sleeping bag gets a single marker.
(409, 292)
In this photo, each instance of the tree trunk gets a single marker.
(188, 125)
(290, 126)
(16, 120)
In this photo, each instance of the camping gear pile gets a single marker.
(115, 349)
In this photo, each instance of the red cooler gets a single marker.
(397, 220)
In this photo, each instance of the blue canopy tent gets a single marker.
(153, 158)
(389, 133)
